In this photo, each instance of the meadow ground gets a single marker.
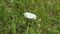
(12, 20)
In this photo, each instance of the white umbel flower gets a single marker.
(30, 15)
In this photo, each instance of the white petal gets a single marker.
(30, 15)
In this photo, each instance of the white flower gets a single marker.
(30, 15)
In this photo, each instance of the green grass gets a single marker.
(12, 20)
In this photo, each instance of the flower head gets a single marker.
(30, 15)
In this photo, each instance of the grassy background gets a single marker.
(12, 20)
